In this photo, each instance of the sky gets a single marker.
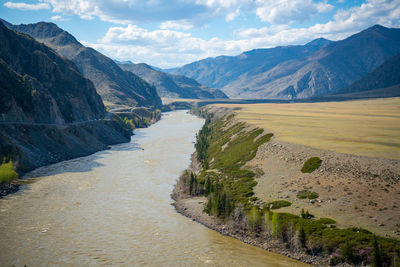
(171, 33)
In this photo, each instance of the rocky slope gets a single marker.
(386, 75)
(39, 86)
(322, 69)
(112, 83)
(48, 111)
(170, 85)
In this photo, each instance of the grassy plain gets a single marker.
(364, 127)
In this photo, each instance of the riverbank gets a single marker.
(9, 188)
(32, 146)
(272, 167)
(113, 208)
(193, 208)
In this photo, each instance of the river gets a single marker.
(113, 208)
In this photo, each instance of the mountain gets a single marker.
(172, 86)
(383, 79)
(220, 71)
(315, 69)
(39, 86)
(112, 83)
(48, 111)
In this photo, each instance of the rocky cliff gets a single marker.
(39, 86)
(48, 111)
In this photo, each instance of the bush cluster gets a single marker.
(7, 172)
(311, 165)
(303, 194)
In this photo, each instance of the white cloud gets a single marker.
(176, 25)
(344, 24)
(170, 47)
(231, 16)
(27, 7)
(58, 18)
(140, 11)
(135, 35)
(289, 11)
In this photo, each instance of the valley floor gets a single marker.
(355, 191)
(363, 127)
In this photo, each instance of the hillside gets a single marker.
(112, 83)
(322, 69)
(172, 86)
(39, 86)
(382, 78)
(48, 111)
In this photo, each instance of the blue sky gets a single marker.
(171, 33)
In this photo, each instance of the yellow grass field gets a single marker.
(364, 127)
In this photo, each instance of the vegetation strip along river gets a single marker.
(114, 208)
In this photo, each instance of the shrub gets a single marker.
(277, 204)
(255, 217)
(303, 194)
(348, 252)
(311, 165)
(275, 224)
(7, 172)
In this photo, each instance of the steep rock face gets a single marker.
(322, 69)
(112, 83)
(33, 146)
(172, 86)
(38, 86)
(48, 111)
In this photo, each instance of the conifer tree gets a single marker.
(376, 254)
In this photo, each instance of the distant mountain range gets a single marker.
(295, 72)
(112, 83)
(170, 85)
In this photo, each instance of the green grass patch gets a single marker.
(311, 165)
(303, 194)
(277, 204)
(223, 149)
(326, 221)
(7, 172)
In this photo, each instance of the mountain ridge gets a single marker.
(34, 81)
(297, 72)
(48, 111)
(170, 85)
(385, 76)
(111, 82)
(225, 69)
